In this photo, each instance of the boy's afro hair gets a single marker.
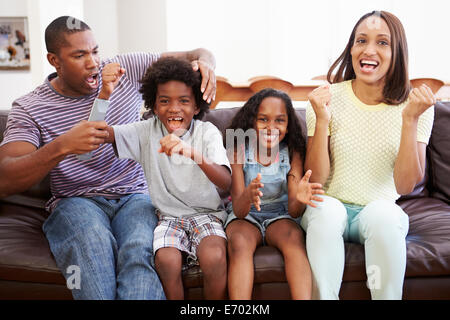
(168, 69)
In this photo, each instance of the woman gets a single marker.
(367, 143)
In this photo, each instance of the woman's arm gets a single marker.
(317, 149)
(409, 167)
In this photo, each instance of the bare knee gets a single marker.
(168, 262)
(212, 254)
(286, 235)
(243, 239)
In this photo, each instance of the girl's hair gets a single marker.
(245, 119)
(168, 69)
(397, 85)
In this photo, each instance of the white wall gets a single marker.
(40, 13)
(295, 40)
(102, 17)
(119, 26)
(142, 25)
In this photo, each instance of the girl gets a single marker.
(367, 142)
(268, 194)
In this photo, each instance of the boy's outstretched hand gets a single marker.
(254, 193)
(306, 191)
(171, 144)
(111, 75)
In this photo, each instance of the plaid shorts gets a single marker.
(185, 234)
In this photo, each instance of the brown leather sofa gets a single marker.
(28, 270)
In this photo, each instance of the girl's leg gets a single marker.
(287, 236)
(382, 227)
(243, 238)
(212, 256)
(168, 263)
(324, 227)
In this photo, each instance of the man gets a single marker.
(102, 218)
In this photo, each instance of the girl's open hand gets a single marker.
(254, 193)
(306, 191)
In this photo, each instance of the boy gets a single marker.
(183, 160)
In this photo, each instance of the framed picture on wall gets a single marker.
(14, 43)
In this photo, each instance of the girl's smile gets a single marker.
(271, 123)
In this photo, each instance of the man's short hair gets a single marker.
(56, 31)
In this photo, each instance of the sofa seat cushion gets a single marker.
(269, 267)
(24, 251)
(25, 254)
(428, 240)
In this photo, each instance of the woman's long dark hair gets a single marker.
(245, 119)
(397, 85)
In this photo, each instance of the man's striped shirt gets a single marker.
(43, 114)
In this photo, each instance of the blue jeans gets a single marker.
(110, 241)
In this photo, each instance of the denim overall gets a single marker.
(274, 202)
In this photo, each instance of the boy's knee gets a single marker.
(213, 255)
(168, 260)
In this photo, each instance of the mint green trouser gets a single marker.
(381, 226)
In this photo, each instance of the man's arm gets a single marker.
(204, 61)
(22, 164)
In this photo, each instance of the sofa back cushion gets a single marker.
(436, 181)
(3, 119)
(439, 153)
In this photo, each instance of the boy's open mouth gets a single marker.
(174, 123)
(368, 66)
